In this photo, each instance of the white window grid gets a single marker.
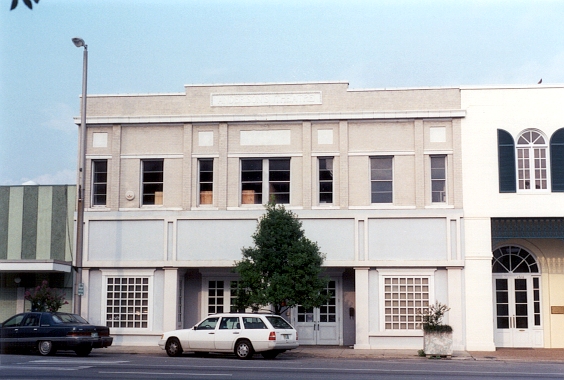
(405, 299)
(127, 302)
(532, 162)
(216, 297)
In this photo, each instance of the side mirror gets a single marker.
(194, 327)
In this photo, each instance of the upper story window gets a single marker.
(381, 179)
(152, 182)
(263, 179)
(532, 161)
(205, 177)
(438, 179)
(325, 179)
(527, 164)
(99, 182)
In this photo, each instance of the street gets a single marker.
(134, 366)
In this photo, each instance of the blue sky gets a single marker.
(141, 46)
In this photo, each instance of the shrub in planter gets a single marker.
(437, 336)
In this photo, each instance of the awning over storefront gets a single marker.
(23, 266)
(527, 228)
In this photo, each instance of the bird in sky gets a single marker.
(540, 81)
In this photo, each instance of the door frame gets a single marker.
(510, 336)
(315, 324)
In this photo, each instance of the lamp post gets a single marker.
(79, 42)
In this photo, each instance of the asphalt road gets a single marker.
(134, 366)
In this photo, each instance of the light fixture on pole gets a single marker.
(79, 42)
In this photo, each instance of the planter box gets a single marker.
(437, 344)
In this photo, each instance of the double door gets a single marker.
(517, 311)
(320, 326)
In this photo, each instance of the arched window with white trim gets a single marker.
(532, 162)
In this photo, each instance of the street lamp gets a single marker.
(79, 42)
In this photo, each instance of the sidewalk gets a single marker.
(342, 352)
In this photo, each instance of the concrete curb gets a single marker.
(339, 352)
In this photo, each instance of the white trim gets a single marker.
(263, 155)
(150, 273)
(151, 156)
(310, 116)
(35, 266)
(382, 153)
(404, 272)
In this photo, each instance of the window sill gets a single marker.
(439, 205)
(204, 208)
(98, 208)
(326, 207)
(386, 206)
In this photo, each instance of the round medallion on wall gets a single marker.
(129, 195)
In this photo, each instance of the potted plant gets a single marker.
(437, 336)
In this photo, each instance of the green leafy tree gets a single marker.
(43, 298)
(283, 268)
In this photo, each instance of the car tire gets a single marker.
(85, 351)
(173, 347)
(270, 354)
(244, 349)
(45, 347)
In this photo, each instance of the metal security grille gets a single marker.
(405, 299)
(127, 304)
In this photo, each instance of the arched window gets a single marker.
(511, 259)
(532, 150)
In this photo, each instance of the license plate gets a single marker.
(286, 336)
(94, 335)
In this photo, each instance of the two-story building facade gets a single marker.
(175, 184)
(513, 185)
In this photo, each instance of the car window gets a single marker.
(229, 323)
(208, 324)
(68, 318)
(31, 320)
(253, 323)
(14, 321)
(278, 322)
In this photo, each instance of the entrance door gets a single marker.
(320, 325)
(517, 314)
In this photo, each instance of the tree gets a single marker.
(283, 268)
(26, 2)
(43, 298)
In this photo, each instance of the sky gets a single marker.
(142, 46)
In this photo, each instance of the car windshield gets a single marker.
(68, 318)
(278, 322)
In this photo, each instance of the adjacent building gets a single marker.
(513, 185)
(36, 243)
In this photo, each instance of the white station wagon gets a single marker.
(244, 334)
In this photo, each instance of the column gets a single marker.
(170, 298)
(362, 316)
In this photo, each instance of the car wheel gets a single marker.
(85, 351)
(45, 347)
(270, 354)
(173, 347)
(244, 349)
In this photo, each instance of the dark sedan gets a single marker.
(48, 332)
